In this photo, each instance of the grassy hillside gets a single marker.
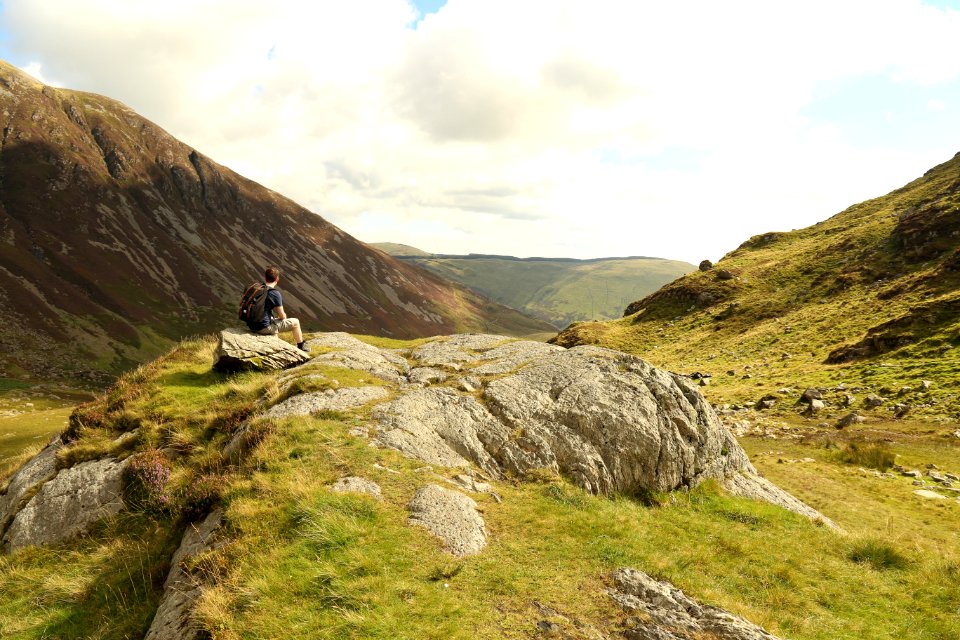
(559, 291)
(395, 249)
(305, 562)
(868, 299)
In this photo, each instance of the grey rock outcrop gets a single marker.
(666, 613)
(352, 353)
(37, 470)
(68, 504)
(452, 517)
(181, 590)
(241, 350)
(329, 400)
(353, 484)
(453, 352)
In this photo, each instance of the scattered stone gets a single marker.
(931, 465)
(840, 387)
(68, 504)
(182, 589)
(913, 473)
(705, 265)
(873, 400)
(810, 395)
(956, 434)
(767, 403)
(848, 400)
(452, 517)
(900, 410)
(849, 419)
(724, 274)
(925, 385)
(785, 356)
(704, 382)
(353, 484)
(306, 404)
(936, 477)
(926, 493)
(953, 477)
(663, 612)
(241, 350)
(816, 406)
(918, 483)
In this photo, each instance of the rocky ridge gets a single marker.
(491, 409)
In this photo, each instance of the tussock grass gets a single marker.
(878, 554)
(875, 455)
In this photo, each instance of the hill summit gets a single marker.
(117, 239)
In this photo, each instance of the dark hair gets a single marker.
(271, 274)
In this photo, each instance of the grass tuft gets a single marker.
(878, 554)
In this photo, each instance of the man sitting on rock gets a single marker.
(275, 318)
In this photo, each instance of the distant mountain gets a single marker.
(557, 290)
(117, 239)
(394, 249)
(869, 298)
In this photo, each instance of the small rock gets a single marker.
(848, 400)
(704, 382)
(810, 395)
(918, 483)
(900, 410)
(926, 493)
(452, 517)
(849, 419)
(931, 465)
(840, 387)
(353, 484)
(816, 406)
(913, 473)
(705, 265)
(873, 400)
(952, 477)
(724, 274)
(925, 385)
(904, 391)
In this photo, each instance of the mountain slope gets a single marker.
(867, 298)
(115, 239)
(557, 290)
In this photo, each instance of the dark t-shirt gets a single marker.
(274, 299)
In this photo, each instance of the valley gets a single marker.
(557, 290)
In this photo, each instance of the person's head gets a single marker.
(271, 275)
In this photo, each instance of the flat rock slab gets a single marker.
(454, 351)
(932, 495)
(330, 400)
(512, 355)
(173, 620)
(452, 517)
(38, 469)
(666, 613)
(242, 350)
(353, 484)
(68, 505)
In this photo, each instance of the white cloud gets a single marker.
(936, 105)
(534, 128)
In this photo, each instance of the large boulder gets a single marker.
(68, 504)
(242, 350)
(607, 420)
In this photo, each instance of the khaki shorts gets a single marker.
(276, 326)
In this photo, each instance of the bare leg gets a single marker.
(297, 332)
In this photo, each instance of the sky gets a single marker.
(564, 128)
